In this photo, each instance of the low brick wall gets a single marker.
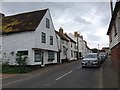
(115, 57)
(116, 65)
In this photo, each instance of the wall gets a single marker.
(115, 56)
(69, 51)
(115, 45)
(115, 39)
(17, 42)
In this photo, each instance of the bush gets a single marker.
(15, 69)
(20, 59)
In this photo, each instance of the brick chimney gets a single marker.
(81, 37)
(76, 34)
(65, 34)
(61, 30)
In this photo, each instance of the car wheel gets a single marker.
(83, 66)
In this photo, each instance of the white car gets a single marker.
(91, 60)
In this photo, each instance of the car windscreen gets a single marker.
(91, 56)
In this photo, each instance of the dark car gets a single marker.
(102, 57)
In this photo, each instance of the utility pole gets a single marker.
(98, 46)
(77, 47)
(98, 49)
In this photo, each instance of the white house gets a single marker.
(72, 48)
(85, 50)
(31, 34)
(63, 46)
(82, 47)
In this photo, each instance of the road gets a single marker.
(71, 75)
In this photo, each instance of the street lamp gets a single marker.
(98, 49)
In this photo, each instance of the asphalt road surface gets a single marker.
(71, 75)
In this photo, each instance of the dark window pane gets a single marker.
(51, 40)
(47, 23)
(43, 37)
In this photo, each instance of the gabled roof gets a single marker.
(117, 8)
(70, 38)
(62, 36)
(22, 22)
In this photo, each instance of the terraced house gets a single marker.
(31, 34)
(72, 48)
(114, 35)
(63, 46)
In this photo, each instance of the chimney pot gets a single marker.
(61, 30)
(76, 34)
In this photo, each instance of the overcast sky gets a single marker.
(91, 19)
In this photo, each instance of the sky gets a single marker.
(90, 19)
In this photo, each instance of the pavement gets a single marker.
(109, 75)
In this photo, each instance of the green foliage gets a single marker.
(20, 59)
(15, 69)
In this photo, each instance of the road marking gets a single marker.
(100, 78)
(64, 75)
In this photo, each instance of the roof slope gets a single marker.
(69, 38)
(117, 8)
(22, 22)
(62, 36)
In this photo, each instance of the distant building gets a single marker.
(72, 49)
(106, 50)
(63, 46)
(81, 44)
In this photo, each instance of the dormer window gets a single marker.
(47, 23)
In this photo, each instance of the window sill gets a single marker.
(50, 59)
(37, 61)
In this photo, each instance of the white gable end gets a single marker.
(48, 32)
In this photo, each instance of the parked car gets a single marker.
(102, 57)
(91, 60)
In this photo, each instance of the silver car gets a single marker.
(91, 60)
